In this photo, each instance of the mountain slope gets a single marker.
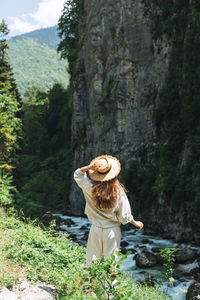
(48, 36)
(36, 63)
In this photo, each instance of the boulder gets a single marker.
(68, 222)
(47, 218)
(193, 291)
(160, 260)
(84, 227)
(123, 250)
(124, 244)
(146, 241)
(145, 259)
(185, 255)
(198, 260)
(195, 273)
(156, 249)
(184, 237)
(85, 237)
(132, 251)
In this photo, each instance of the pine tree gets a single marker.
(9, 106)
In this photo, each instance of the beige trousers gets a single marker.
(102, 241)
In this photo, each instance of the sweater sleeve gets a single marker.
(82, 180)
(124, 214)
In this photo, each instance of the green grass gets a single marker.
(43, 255)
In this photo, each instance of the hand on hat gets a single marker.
(95, 166)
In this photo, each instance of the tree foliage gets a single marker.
(9, 105)
(36, 63)
(177, 114)
(68, 27)
(44, 167)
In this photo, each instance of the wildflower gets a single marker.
(198, 296)
(171, 279)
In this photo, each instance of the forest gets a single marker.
(35, 61)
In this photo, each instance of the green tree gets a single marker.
(9, 106)
(44, 167)
(68, 27)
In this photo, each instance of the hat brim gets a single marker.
(115, 168)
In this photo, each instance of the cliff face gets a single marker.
(118, 67)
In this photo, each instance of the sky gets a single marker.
(27, 15)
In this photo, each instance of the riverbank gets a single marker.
(48, 257)
(144, 260)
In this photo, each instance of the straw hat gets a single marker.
(110, 168)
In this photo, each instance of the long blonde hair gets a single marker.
(105, 193)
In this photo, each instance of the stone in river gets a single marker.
(146, 241)
(196, 274)
(69, 222)
(185, 255)
(160, 259)
(73, 237)
(145, 260)
(156, 249)
(123, 250)
(84, 227)
(85, 237)
(132, 250)
(198, 260)
(124, 244)
(193, 291)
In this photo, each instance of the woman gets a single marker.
(107, 205)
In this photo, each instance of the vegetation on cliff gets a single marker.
(170, 169)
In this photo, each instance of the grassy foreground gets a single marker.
(43, 255)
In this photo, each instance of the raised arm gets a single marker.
(81, 178)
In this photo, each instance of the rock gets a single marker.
(198, 260)
(85, 237)
(123, 250)
(185, 255)
(195, 273)
(48, 217)
(132, 250)
(156, 249)
(68, 222)
(145, 260)
(193, 291)
(84, 227)
(160, 260)
(124, 244)
(146, 241)
(184, 237)
(5, 294)
(73, 237)
(142, 248)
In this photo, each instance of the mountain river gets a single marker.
(136, 241)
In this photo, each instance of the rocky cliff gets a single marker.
(118, 67)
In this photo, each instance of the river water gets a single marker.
(136, 241)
